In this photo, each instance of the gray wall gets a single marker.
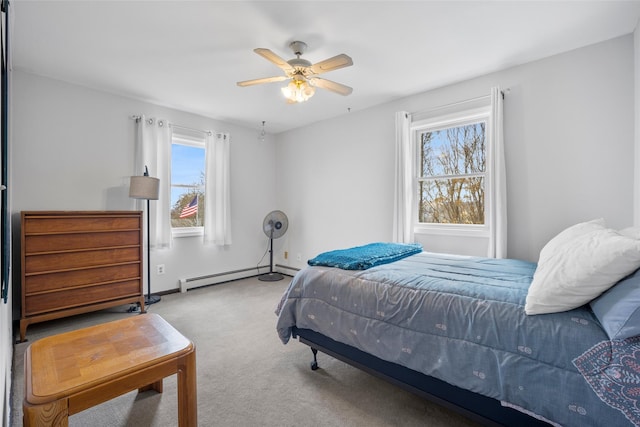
(569, 136)
(569, 146)
(72, 149)
(636, 180)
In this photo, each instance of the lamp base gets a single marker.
(271, 277)
(151, 299)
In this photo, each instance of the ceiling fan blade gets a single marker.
(337, 62)
(260, 81)
(332, 86)
(272, 57)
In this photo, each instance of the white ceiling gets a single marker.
(189, 55)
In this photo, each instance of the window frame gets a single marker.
(439, 122)
(190, 140)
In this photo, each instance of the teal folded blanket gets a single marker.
(367, 256)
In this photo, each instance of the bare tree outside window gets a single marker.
(452, 175)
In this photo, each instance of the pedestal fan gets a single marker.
(275, 224)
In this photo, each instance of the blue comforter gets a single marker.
(459, 319)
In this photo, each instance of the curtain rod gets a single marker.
(150, 121)
(453, 104)
(208, 132)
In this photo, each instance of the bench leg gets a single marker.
(54, 414)
(187, 391)
(157, 386)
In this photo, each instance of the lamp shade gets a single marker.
(298, 90)
(144, 187)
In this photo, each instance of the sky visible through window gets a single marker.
(187, 168)
(442, 148)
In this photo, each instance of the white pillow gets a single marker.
(580, 269)
(570, 234)
(633, 232)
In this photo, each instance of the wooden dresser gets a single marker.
(79, 261)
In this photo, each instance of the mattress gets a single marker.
(461, 319)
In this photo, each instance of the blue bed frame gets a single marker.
(482, 409)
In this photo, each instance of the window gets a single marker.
(450, 182)
(452, 170)
(187, 184)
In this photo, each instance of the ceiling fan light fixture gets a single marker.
(298, 90)
(303, 75)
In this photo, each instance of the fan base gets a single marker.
(271, 277)
(151, 299)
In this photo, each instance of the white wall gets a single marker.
(72, 149)
(569, 137)
(636, 180)
(6, 345)
(6, 359)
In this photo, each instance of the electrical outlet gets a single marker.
(160, 268)
(286, 254)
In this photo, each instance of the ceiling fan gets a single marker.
(302, 73)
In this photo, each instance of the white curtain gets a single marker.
(153, 150)
(402, 206)
(217, 220)
(497, 212)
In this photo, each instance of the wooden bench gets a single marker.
(73, 371)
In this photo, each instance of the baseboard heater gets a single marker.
(286, 267)
(212, 279)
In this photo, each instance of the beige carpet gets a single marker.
(246, 377)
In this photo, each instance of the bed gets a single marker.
(454, 329)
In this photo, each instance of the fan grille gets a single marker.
(275, 224)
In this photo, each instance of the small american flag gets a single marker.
(190, 209)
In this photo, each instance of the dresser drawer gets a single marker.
(72, 279)
(70, 298)
(83, 259)
(78, 222)
(41, 243)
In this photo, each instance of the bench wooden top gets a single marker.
(79, 360)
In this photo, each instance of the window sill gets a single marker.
(187, 232)
(452, 230)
